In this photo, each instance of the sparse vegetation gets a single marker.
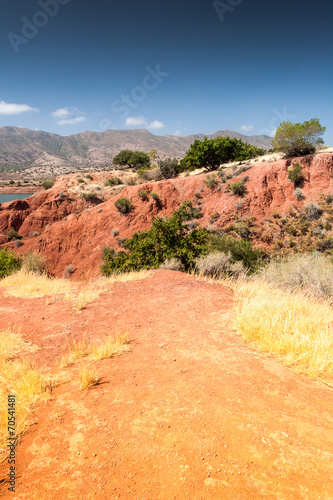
(299, 195)
(172, 265)
(91, 197)
(154, 195)
(143, 195)
(113, 181)
(13, 235)
(211, 181)
(218, 265)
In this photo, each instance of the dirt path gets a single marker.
(190, 412)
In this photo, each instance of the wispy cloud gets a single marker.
(134, 121)
(246, 128)
(156, 124)
(69, 116)
(177, 132)
(7, 108)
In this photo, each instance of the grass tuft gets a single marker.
(114, 344)
(88, 377)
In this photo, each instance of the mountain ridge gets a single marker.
(46, 153)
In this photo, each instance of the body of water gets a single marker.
(14, 196)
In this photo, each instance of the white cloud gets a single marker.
(177, 132)
(60, 113)
(246, 127)
(135, 121)
(69, 116)
(156, 124)
(7, 108)
(272, 134)
(72, 121)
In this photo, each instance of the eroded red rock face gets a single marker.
(68, 238)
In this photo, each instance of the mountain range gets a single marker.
(45, 152)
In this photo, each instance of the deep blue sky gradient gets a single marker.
(265, 62)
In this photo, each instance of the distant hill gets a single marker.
(45, 153)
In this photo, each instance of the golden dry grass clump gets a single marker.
(22, 379)
(88, 377)
(290, 324)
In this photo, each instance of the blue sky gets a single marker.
(176, 67)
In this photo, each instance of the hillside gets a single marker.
(43, 154)
(68, 230)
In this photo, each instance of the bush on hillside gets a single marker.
(238, 188)
(113, 181)
(295, 173)
(47, 184)
(13, 235)
(34, 263)
(168, 168)
(9, 262)
(167, 239)
(239, 250)
(123, 205)
(313, 211)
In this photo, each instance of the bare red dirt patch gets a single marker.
(189, 412)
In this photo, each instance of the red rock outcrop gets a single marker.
(77, 239)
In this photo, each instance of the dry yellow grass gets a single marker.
(29, 285)
(76, 350)
(297, 328)
(116, 343)
(133, 276)
(88, 377)
(20, 378)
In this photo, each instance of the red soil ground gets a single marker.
(191, 411)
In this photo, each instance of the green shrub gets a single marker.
(168, 238)
(211, 181)
(130, 181)
(80, 180)
(123, 205)
(295, 174)
(13, 235)
(91, 197)
(47, 184)
(9, 262)
(113, 181)
(239, 250)
(198, 195)
(142, 194)
(154, 196)
(238, 188)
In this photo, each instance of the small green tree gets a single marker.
(210, 153)
(167, 239)
(298, 139)
(47, 184)
(134, 159)
(9, 263)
